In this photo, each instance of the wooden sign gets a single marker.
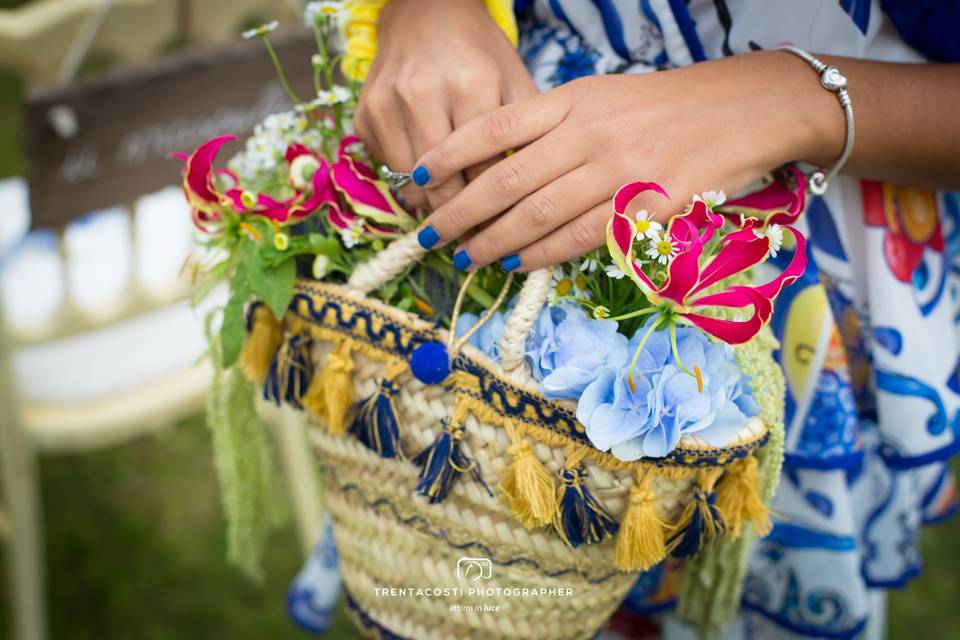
(107, 140)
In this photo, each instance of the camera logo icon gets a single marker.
(474, 569)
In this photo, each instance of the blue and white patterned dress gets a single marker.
(870, 338)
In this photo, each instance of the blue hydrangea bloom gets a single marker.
(664, 403)
(567, 355)
(487, 337)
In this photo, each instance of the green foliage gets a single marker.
(244, 465)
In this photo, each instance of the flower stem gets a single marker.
(676, 356)
(643, 341)
(634, 314)
(279, 69)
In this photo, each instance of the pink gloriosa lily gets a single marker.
(682, 296)
(349, 189)
(367, 195)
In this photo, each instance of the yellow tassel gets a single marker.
(330, 394)
(738, 500)
(264, 336)
(641, 541)
(528, 487)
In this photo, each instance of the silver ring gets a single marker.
(395, 179)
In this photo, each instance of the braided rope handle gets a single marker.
(405, 251)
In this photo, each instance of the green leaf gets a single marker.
(272, 284)
(232, 330)
(324, 245)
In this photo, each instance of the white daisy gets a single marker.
(589, 265)
(315, 11)
(262, 30)
(613, 271)
(662, 250)
(336, 95)
(712, 198)
(352, 235)
(646, 226)
(774, 234)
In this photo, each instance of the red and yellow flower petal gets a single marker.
(368, 196)
(198, 173)
(683, 273)
(798, 264)
(775, 203)
(628, 192)
(736, 255)
(733, 331)
(620, 233)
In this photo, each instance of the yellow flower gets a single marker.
(281, 241)
(564, 286)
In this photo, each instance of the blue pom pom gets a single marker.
(430, 363)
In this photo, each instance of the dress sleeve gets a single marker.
(929, 26)
(359, 29)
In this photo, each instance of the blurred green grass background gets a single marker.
(135, 535)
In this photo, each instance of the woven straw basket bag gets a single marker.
(465, 484)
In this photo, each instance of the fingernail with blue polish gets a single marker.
(461, 260)
(510, 263)
(428, 237)
(420, 176)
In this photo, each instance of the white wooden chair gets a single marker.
(97, 370)
(98, 344)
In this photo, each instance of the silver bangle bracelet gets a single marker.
(835, 82)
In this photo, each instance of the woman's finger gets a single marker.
(428, 124)
(572, 240)
(535, 217)
(364, 129)
(465, 109)
(499, 188)
(589, 231)
(492, 134)
(389, 126)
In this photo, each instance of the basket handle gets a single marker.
(403, 252)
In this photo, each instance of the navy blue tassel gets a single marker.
(443, 462)
(290, 371)
(705, 526)
(581, 519)
(374, 421)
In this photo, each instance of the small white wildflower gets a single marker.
(646, 226)
(337, 94)
(662, 250)
(315, 11)
(352, 235)
(613, 271)
(712, 198)
(600, 312)
(321, 267)
(262, 30)
(774, 234)
(589, 265)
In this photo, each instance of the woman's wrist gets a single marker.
(801, 120)
(820, 130)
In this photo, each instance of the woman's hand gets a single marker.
(716, 125)
(438, 65)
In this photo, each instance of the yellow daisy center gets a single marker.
(643, 226)
(665, 247)
(581, 281)
(564, 287)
